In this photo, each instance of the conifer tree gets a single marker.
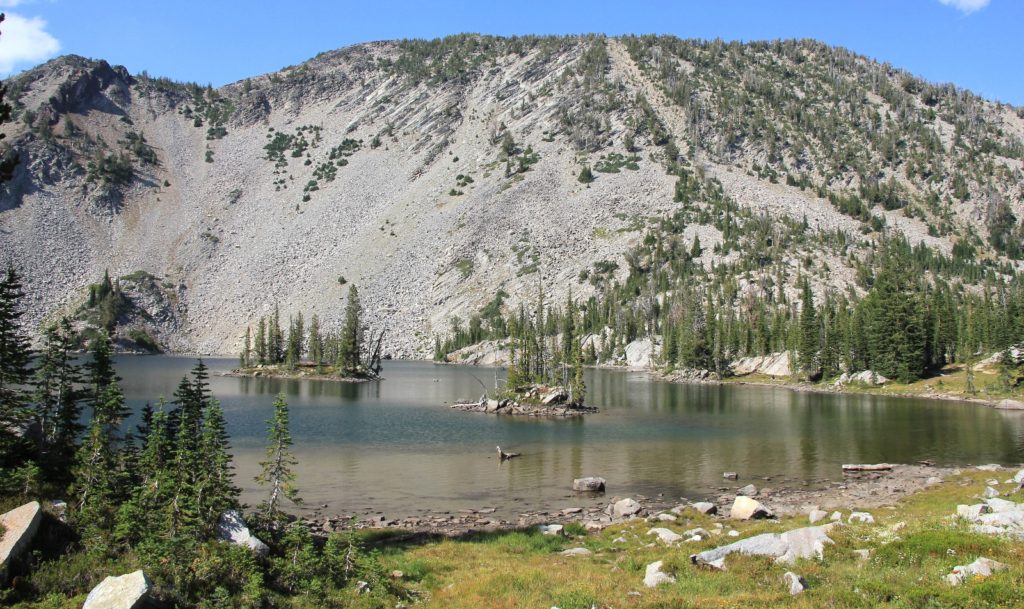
(276, 470)
(14, 370)
(316, 342)
(245, 358)
(810, 335)
(217, 492)
(350, 347)
(57, 401)
(261, 342)
(275, 340)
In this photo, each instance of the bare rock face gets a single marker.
(745, 508)
(125, 592)
(590, 484)
(20, 527)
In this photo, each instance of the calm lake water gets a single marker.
(394, 446)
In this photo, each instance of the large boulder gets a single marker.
(705, 507)
(794, 582)
(745, 508)
(808, 542)
(1009, 404)
(20, 526)
(124, 592)
(590, 484)
(640, 353)
(231, 527)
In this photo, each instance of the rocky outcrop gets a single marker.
(775, 365)
(786, 547)
(865, 377)
(128, 591)
(982, 567)
(20, 526)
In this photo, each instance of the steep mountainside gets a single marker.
(434, 174)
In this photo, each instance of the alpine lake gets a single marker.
(395, 447)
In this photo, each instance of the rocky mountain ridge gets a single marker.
(433, 174)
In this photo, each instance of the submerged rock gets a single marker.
(125, 592)
(748, 491)
(590, 484)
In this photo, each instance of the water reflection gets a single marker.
(396, 447)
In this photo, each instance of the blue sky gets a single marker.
(976, 44)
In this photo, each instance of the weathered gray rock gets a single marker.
(590, 484)
(808, 542)
(863, 554)
(745, 508)
(933, 480)
(125, 592)
(972, 512)
(860, 517)
(231, 527)
(836, 516)
(990, 493)
(705, 507)
(982, 567)
(624, 508)
(795, 583)
(654, 576)
(1019, 477)
(576, 552)
(990, 467)
(663, 517)
(20, 527)
(731, 476)
(551, 529)
(557, 395)
(748, 491)
(666, 535)
(698, 534)
(816, 516)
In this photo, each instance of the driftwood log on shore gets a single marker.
(867, 467)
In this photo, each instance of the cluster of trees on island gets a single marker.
(352, 351)
(151, 496)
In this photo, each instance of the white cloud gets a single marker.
(24, 40)
(964, 6)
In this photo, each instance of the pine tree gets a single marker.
(217, 493)
(277, 468)
(350, 348)
(58, 401)
(316, 342)
(14, 371)
(810, 335)
(577, 387)
(261, 343)
(245, 358)
(275, 340)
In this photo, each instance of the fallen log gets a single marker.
(504, 456)
(866, 467)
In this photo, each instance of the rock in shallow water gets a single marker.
(590, 484)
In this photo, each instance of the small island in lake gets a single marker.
(350, 354)
(531, 401)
